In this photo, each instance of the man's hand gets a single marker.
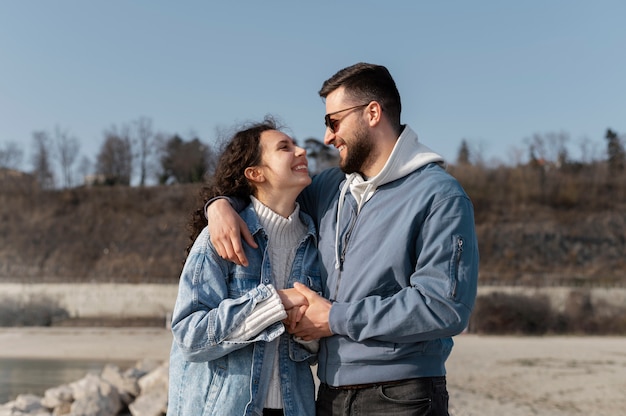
(295, 305)
(226, 229)
(314, 323)
(292, 298)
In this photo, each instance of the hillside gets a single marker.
(116, 234)
(123, 234)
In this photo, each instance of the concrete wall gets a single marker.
(155, 300)
(100, 299)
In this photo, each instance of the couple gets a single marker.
(393, 278)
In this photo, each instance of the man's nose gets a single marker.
(329, 137)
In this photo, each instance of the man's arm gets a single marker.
(226, 230)
(441, 289)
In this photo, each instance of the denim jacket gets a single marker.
(212, 376)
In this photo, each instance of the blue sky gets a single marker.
(491, 72)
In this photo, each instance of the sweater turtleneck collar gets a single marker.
(283, 232)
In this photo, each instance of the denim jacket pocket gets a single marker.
(298, 352)
(241, 282)
(313, 279)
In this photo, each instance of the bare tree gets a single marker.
(41, 159)
(145, 141)
(114, 162)
(185, 161)
(549, 148)
(84, 168)
(589, 152)
(11, 156)
(67, 148)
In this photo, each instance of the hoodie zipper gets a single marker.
(342, 257)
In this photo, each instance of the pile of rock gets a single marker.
(138, 391)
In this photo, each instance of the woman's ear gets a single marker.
(254, 174)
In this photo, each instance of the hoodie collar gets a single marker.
(407, 156)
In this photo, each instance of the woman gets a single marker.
(231, 354)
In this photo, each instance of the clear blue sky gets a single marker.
(491, 72)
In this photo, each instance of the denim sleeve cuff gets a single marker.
(265, 313)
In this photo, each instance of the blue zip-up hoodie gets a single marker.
(213, 375)
(400, 264)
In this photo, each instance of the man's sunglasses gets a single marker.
(331, 124)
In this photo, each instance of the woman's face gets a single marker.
(283, 164)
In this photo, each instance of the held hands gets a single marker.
(226, 229)
(310, 313)
(295, 305)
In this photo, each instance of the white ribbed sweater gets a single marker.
(284, 234)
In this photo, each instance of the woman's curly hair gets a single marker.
(241, 151)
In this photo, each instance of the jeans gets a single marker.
(426, 396)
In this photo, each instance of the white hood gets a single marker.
(407, 156)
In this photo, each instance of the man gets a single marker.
(398, 248)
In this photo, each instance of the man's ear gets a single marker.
(374, 113)
(254, 174)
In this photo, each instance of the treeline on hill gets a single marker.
(551, 220)
(131, 153)
(545, 222)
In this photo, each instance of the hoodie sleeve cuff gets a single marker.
(238, 204)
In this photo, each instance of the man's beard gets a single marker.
(358, 153)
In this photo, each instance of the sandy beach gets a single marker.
(487, 376)
(519, 376)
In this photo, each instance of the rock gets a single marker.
(126, 383)
(6, 409)
(94, 396)
(145, 366)
(24, 405)
(62, 409)
(153, 403)
(140, 390)
(156, 379)
(29, 404)
(153, 398)
(57, 396)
